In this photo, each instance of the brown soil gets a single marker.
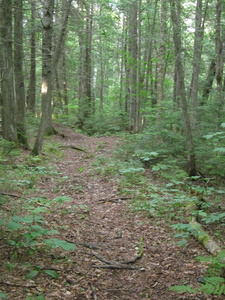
(106, 234)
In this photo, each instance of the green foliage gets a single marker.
(28, 231)
(212, 282)
(55, 243)
(105, 122)
(39, 269)
(214, 217)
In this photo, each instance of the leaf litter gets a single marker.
(119, 254)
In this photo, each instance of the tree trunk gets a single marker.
(199, 34)
(46, 89)
(64, 75)
(7, 87)
(161, 59)
(18, 71)
(220, 52)
(148, 58)
(208, 82)
(85, 68)
(133, 51)
(31, 94)
(175, 16)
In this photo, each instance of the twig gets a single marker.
(93, 292)
(11, 195)
(115, 267)
(18, 285)
(115, 199)
(139, 256)
(99, 257)
(90, 246)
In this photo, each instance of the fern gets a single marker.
(182, 289)
(213, 282)
(214, 285)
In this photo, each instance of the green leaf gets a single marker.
(52, 273)
(17, 219)
(2, 295)
(32, 274)
(14, 225)
(182, 289)
(221, 149)
(2, 221)
(62, 199)
(54, 243)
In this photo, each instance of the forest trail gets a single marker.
(120, 254)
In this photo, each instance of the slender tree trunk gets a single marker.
(46, 89)
(148, 58)
(220, 53)
(175, 16)
(161, 59)
(9, 131)
(18, 71)
(65, 88)
(102, 75)
(208, 82)
(31, 94)
(122, 65)
(133, 52)
(199, 34)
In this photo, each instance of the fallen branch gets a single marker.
(204, 238)
(199, 233)
(72, 147)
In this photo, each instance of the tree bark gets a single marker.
(133, 52)
(161, 59)
(7, 86)
(220, 52)
(175, 16)
(18, 71)
(208, 82)
(31, 93)
(46, 89)
(199, 34)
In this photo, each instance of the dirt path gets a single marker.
(107, 234)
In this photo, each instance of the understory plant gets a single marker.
(213, 282)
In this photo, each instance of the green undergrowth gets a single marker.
(24, 229)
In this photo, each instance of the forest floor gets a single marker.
(120, 254)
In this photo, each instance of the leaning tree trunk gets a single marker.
(8, 101)
(46, 89)
(175, 16)
(18, 71)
